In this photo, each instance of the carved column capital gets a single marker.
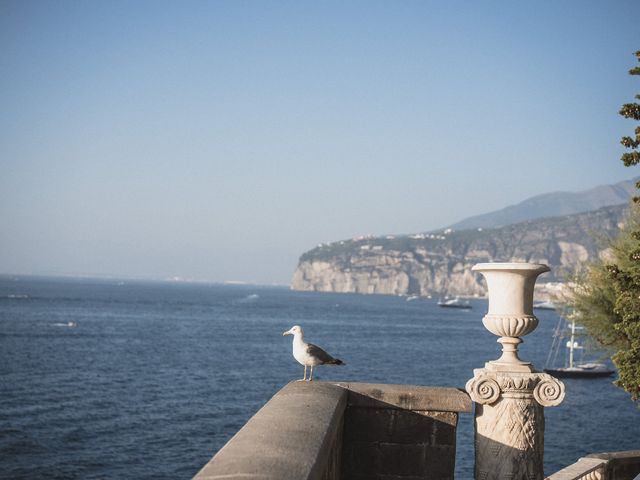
(483, 388)
(549, 391)
(487, 387)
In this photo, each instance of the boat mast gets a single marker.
(571, 343)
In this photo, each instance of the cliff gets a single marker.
(438, 263)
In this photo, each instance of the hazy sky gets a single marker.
(220, 140)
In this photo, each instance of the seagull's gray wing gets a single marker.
(319, 353)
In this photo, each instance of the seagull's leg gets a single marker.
(305, 373)
(311, 376)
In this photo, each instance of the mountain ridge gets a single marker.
(552, 204)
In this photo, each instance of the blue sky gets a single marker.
(220, 140)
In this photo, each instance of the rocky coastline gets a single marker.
(439, 263)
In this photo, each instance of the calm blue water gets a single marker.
(155, 377)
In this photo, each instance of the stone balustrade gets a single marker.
(602, 466)
(583, 469)
(327, 431)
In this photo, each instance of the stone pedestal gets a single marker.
(509, 422)
(510, 395)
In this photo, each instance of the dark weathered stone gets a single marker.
(402, 460)
(334, 464)
(360, 459)
(389, 477)
(411, 428)
(367, 425)
(440, 462)
(401, 431)
(445, 428)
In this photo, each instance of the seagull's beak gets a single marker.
(288, 332)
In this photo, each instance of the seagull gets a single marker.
(309, 354)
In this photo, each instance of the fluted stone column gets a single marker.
(510, 395)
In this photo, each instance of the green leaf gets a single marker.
(629, 142)
(630, 110)
(630, 158)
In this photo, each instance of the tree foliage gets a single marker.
(607, 296)
(632, 111)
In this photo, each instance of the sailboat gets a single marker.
(574, 368)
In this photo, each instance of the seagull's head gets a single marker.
(295, 330)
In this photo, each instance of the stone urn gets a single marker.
(510, 314)
(510, 396)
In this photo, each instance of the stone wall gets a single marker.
(401, 432)
(329, 431)
(295, 436)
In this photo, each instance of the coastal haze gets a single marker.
(219, 141)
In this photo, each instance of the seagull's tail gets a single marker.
(335, 361)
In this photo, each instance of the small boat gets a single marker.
(253, 298)
(573, 368)
(411, 298)
(454, 303)
(587, 370)
(68, 324)
(544, 306)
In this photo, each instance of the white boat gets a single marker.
(544, 306)
(573, 367)
(454, 303)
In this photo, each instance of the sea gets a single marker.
(121, 379)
